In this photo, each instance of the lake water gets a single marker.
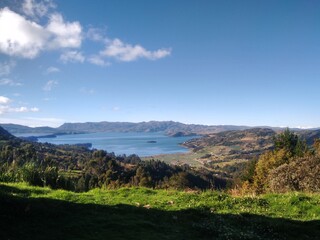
(126, 143)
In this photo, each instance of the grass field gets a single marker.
(137, 213)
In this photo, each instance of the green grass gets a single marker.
(138, 213)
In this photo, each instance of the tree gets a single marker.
(141, 178)
(288, 147)
(180, 180)
(290, 142)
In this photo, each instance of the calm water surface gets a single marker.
(126, 143)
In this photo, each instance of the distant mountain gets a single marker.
(20, 129)
(170, 127)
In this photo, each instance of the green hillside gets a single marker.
(139, 213)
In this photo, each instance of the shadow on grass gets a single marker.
(28, 218)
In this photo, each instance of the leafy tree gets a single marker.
(141, 178)
(180, 180)
(290, 142)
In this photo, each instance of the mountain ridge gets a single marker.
(169, 127)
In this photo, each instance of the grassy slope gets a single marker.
(41, 213)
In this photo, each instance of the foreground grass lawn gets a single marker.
(137, 213)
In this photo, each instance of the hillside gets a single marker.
(138, 213)
(256, 138)
(226, 153)
(309, 135)
(223, 151)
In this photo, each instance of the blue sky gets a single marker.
(209, 62)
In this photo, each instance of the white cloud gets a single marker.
(52, 70)
(24, 38)
(6, 68)
(20, 37)
(96, 34)
(304, 127)
(50, 85)
(115, 48)
(9, 82)
(24, 109)
(72, 56)
(98, 60)
(6, 108)
(35, 9)
(4, 100)
(127, 53)
(66, 34)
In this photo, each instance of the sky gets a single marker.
(213, 62)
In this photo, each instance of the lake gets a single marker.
(142, 144)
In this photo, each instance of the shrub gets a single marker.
(303, 174)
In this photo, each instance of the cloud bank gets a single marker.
(22, 35)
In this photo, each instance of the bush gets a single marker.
(303, 174)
